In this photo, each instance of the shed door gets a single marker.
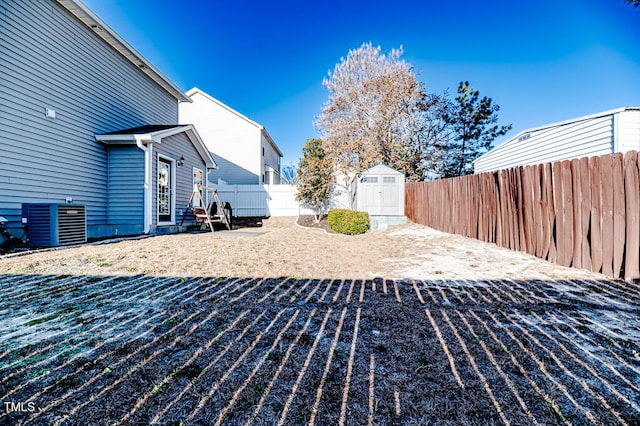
(389, 195)
(370, 187)
(380, 195)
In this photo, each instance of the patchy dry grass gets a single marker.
(280, 248)
(87, 349)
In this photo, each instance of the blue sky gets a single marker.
(541, 61)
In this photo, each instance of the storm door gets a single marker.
(165, 190)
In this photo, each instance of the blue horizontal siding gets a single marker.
(126, 186)
(48, 59)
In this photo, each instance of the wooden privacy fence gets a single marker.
(582, 213)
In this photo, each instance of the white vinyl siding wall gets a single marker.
(231, 173)
(628, 131)
(48, 59)
(270, 159)
(235, 142)
(598, 134)
(584, 138)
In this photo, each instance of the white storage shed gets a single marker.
(603, 133)
(379, 191)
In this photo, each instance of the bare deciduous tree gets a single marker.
(369, 115)
(426, 149)
(377, 112)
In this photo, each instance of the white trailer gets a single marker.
(616, 130)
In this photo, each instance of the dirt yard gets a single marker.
(236, 328)
(281, 249)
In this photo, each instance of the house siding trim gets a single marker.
(158, 136)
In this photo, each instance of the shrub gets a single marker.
(348, 222)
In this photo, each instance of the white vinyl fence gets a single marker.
(267, 200)
(261, 200)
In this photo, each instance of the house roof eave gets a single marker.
(267, 136)
(195, 90)
(130, 138)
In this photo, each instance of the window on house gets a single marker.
(263, 151)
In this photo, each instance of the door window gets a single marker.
(165, 190)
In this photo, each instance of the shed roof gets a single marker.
(154, 133)
(102, 30)
(382, 169)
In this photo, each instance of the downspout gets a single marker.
(147, 183)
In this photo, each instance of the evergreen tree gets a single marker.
(473, 125)
(315, 177)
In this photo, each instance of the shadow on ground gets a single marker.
(144, 349)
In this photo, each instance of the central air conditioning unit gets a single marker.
(52, 225)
